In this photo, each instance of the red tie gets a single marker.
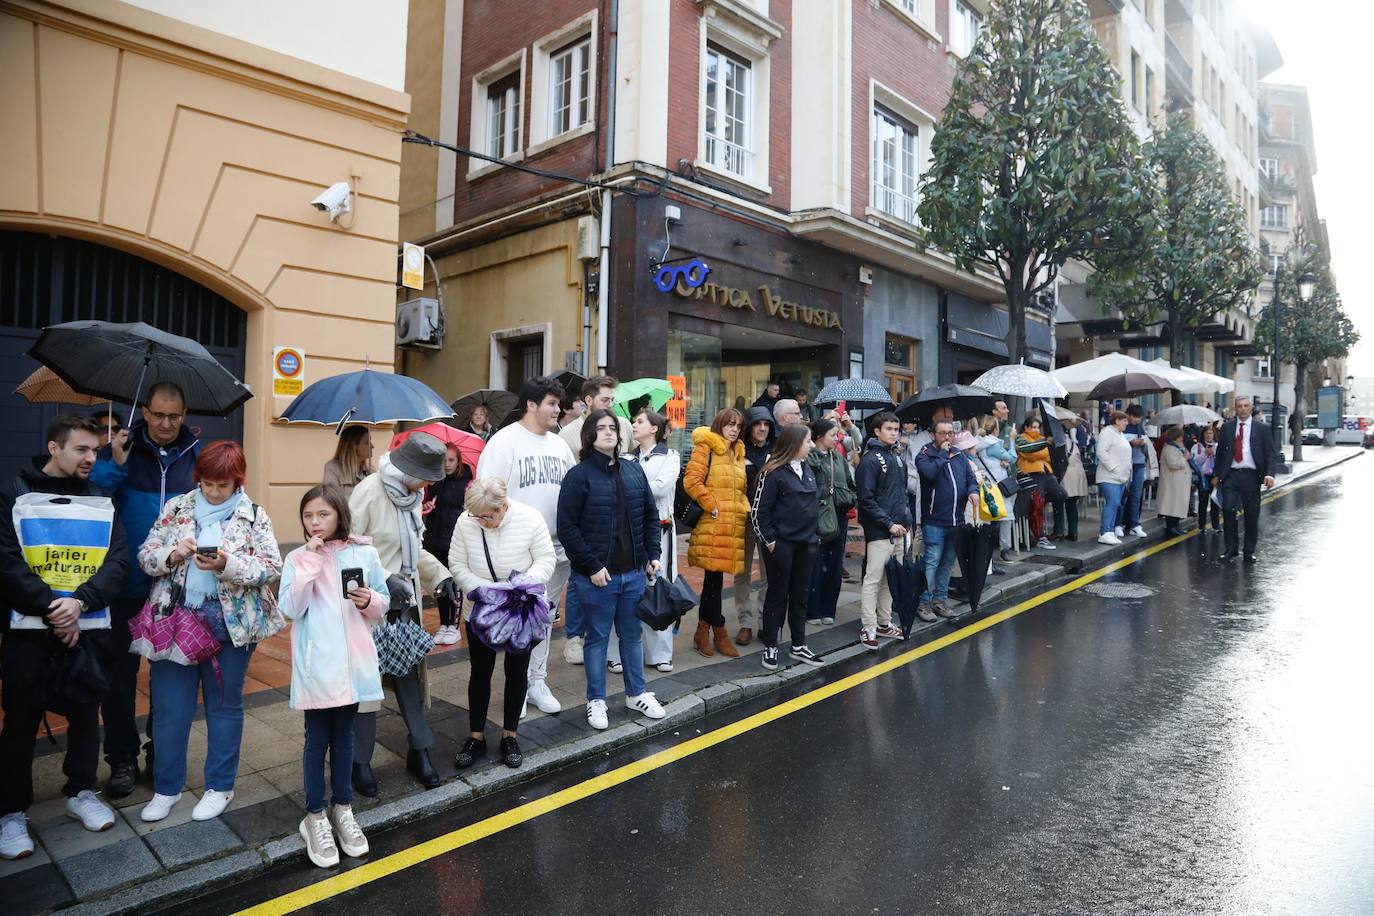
(1240, 442)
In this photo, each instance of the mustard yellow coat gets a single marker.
(717, 543)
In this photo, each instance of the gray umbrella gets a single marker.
(1020, 381)
(122, 361)
(857, 394)
(497, 402)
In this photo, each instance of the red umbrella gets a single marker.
(468, 445)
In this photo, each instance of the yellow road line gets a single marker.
(399, 861)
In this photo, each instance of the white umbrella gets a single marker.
(1186, 415)
(1207, 381)
(1081, 378)
(1020, 381)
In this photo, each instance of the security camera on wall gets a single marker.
(334, 200)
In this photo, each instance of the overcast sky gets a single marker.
(1324, 44)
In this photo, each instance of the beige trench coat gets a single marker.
(1175, 483)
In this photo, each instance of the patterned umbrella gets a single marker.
(1186, 415)
(45, 387)
(1021, 381)
(857, 394)
(366, 396)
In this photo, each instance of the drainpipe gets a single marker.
(603, 286)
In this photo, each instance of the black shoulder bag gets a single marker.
(691, 511)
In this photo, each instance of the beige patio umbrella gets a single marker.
(45, 387)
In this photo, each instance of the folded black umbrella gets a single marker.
(965, 400)
(974, 545)
(906, 580)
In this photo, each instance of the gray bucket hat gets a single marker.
(420, 456)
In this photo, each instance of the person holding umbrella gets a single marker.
(1175, 482)
(1075, 484)
(996, 459)
(352, 460)
(948, 486)
(884, 514)
(479, 424)
(142, 468)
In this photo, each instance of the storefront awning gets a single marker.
(979, 326)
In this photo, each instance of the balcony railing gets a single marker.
(729, 157)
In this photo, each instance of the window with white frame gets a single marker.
(964, 26)
(570, 99)
(729, 115)
(1274, 216)
(1269, 167)
(896, 169)
(503, 116)
(1275, 260)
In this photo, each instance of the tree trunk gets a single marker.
(1175, 345)
(1016, 316)
(1299, 406)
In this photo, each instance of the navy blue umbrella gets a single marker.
(366, 397)
(857, 394)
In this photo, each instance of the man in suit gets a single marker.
(1247, 454)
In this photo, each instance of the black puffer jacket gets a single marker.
(880, 485)
(589, 513)
(756, 455)
(447, 495)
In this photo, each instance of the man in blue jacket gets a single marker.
(948, 485)
(141, 468)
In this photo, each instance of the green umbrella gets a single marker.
(657, 390)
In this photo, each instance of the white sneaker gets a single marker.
(1109, 538)
(446, 636)
(647, 704)
(15, 842)
(572, 650)
(93, 813)
(1119, 531)
(665, 667)
(596, 714)
(543, 697)
(211, 805)
(614, 667)
(319, 840)
(350, 835)
(159, 807)
(1045, 544)
(1139, 531)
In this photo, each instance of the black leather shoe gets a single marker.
(122, 779)
(997, 570)
(363, 781)
(1249, 558)
(1228, 556)
(472, 751)
(510, 753)
(417, 762)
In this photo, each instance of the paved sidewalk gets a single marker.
(178, 856)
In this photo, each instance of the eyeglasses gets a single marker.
(166, 417)
(491, 516)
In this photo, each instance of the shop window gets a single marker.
(900, 366)
(896, 154)
(729, 122)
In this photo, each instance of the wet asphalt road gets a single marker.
(1196, 740)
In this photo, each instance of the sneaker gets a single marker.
(943, 610)
(888, 631)
(1045, 544)
(319, 840)
(647, 704)
(211, 805)
(351, 840)
(158, 807)
(572, 650)
(447, 636)
(927, 612)
(807, 657)
(1139, 531)
(596, 714)
(665, 667)
(93, 813)
(828, 621)
(869, 638)
(614, 667)
(543, 697)
(15, 842)
(1109, 538)
(1119, 531)
(1008, 556)
(770, 658)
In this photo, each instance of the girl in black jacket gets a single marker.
(443, 503)
(786, 517)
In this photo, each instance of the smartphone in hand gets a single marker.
(209, 553)
(352, 578)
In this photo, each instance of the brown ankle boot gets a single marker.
(723, 644)
(702, 639)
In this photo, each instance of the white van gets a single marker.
(1350, 432)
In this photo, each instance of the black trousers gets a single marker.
(789, 585)
(23, 657)
(1050, 488)
(448, 611)
(708, 609)
(118, 708)
(1205, 506)
(1241, 490)
(483, 660)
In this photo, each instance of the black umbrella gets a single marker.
(965, 400)
(857, 394)
(571, 382)
(122, 361)
(906, 580)
(497, 402)
(974, 545)
(1128, 384)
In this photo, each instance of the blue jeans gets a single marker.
(573, 623)
(328, 730)
(1134, 498)
(174, 689)
(1111, 504)
(611, 604)
(940, 552)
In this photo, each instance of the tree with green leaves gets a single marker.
(1197, 259)
(1035, 162)
(1309, 332)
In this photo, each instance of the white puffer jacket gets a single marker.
(521, 543)
(1113, 456)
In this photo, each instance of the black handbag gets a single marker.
(691, 511)
(666, 599)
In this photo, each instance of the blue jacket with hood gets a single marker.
(947, 481)
(141, 486)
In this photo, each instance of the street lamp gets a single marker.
(1306, 282)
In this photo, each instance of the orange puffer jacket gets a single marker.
(717, 543)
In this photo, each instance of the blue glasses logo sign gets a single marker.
(691, 274)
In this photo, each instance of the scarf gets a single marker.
(202, 584)
(409, 528)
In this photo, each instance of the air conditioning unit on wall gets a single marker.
(420, 323)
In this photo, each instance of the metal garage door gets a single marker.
(48, 280)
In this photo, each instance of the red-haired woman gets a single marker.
(213, 552)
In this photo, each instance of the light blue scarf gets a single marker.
(202, 584)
